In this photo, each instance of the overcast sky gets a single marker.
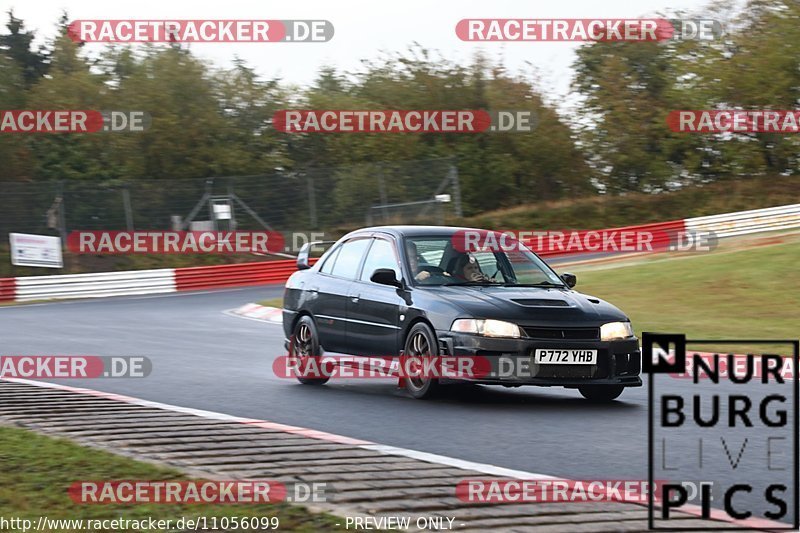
(362, 29)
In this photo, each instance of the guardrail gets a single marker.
(241, 275)
(95, 285)
(135, 282)
(7, 289)
(746, 222)
(168, 280)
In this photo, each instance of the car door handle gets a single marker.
(313, 289)
(355, 298)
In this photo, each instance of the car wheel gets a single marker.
(304, 349)
(601, 393)
(421, 343)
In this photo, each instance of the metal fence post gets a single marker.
(232, 223)
(126, 202)
(312, 201)
(62, 214)
(456, 191)
(382, 190)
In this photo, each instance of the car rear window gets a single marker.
(327, 267)
(349, 258)
(381, 255)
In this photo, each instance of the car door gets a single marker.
(373, 310)
(332, 286)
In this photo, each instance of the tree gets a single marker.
(17, 45)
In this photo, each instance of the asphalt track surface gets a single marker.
(205, 359)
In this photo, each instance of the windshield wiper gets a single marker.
(468, 283)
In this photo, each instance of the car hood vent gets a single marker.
(540, 302)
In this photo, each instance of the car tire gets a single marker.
(421, 342)
(601, 393)
(305, 346)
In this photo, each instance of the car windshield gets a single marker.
(437, 261)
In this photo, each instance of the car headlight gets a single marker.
(616, 330)
(487, 328)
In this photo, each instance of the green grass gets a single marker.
(271, 302)
(750, 293)
(35, 472)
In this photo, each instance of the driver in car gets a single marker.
(420, 273)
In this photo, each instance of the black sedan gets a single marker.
(416, 290)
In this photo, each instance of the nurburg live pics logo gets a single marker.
(739, 429)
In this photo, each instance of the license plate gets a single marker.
(565, 357)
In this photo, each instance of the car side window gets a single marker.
(327, 266)
(349, 258)
(381, 255)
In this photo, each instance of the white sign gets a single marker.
(35, 250)
(222, 211)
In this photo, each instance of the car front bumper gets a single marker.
(512, 362)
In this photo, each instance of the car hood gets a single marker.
(530, 305)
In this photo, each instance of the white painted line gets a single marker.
(231, 312)
(252, 311)
(484, 468)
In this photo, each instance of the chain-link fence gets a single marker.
(314, 199)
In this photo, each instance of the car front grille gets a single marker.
(589, 334)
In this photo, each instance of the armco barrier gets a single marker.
(164, 280)
(745, 222)
(7, 289)
(95, 285)
(241, 275)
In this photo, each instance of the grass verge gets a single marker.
(271, 302)
(36, 470)
(750, 293)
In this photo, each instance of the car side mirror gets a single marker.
(570, 279)
(302, 257)
(385, 276)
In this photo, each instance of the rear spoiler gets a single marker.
(305, 250)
